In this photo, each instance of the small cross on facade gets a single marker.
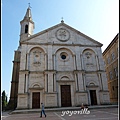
(29, 5)
(62, 20)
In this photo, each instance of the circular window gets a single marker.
(63, 57)
(36, 56)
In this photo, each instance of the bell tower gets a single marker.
(27, 25)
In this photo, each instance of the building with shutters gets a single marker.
(110, 56)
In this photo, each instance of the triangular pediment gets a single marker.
(61, 34)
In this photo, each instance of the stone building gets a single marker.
(110, 56)
(59, 66)
(14, 83)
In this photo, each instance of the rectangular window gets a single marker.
(104, 63)
(113, 88)
(113, 56)
(111, 76)
(108, 60)
(116, 71)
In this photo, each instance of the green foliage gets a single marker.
(4, 100)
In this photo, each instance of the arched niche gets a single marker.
(89, 59)
(36, 59)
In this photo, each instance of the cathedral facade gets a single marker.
(59, 66)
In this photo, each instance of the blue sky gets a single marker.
(98, 19)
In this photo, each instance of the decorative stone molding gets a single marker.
(62, 34)
(88, 55)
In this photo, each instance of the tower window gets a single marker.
(26, 28)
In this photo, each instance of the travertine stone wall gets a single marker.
(49, 61)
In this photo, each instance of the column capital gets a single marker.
(54, 54)
(96, 55)
(45, 54)
(73, 55)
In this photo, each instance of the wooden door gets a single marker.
(36, 100)
(65, 96)
(93, 97)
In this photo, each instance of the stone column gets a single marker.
(54, 75)
(21, 82)
(96, 57)
(50, 62)
(22, 60)
(74, 63)
(76, 82)
(53, 62)
(100, 81)
(26, 61)
(84, 83)
(46, 64)
(50, 82)
(80, 82)
(28, 91)
(26, 83)
(77, 57)
(54, 56)
(82, 62)
(45, 82)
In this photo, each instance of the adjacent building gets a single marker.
(59, 66)
(110, 56)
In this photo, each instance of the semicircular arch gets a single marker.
(90, 49)
(92, 83)
(61, 48)
(38, 47)
(36, 84)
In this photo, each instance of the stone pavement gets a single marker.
(95, 114)
(60, 109)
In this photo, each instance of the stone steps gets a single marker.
(60, 109)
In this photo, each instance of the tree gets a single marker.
(4, 100)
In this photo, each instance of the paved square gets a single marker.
(95, 114)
